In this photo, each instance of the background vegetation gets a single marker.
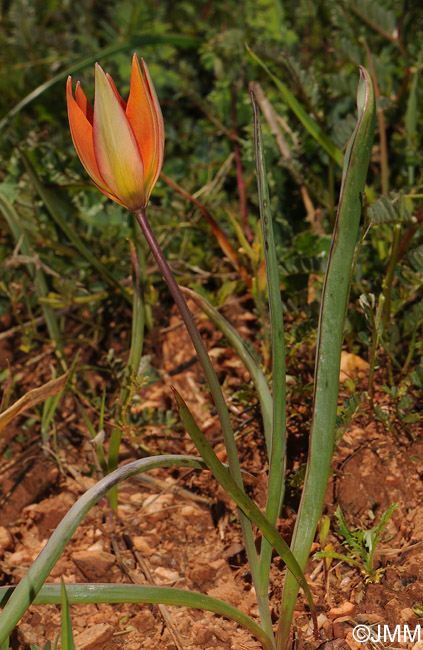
(64, 246)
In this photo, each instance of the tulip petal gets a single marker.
(116, 150)
(141, 116)
(83, 103)
(115, 90)
(160, 125)
(82, 135)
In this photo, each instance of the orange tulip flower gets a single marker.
(120, 145)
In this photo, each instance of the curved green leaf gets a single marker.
(329, 342)
(244, 503)
(236, 342)
(121, 593)
(38, 572)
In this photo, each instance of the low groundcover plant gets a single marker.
(121, 147)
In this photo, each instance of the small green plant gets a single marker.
(361, 545)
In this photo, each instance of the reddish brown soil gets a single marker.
(182, 527)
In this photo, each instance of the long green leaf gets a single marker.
(243, 502)
(134, 42)
(111, 593)
(67, 635)
(314, 129)
(330, 337)
(277, 468)
(38, 572)
(236, 342)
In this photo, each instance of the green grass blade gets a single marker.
(121, 593)
(314, 129)
(330, 337)
(67, 636)
(128, 45)
(38, 572)
(60, 211)
(243, 502)
(247, 358)
(277, 467)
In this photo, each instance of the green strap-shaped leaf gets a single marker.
(67, 635)
(330, 337)
(38, 572)
(243, 502)
(121, 593)
(277, 462)
(247, 358)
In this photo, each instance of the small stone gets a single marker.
(19, 557)
(97, 546)
(218, 564)
(94, 637)
(137, 498)
(201, 634)
(27, 636)
(156, 502)
(144, 621)
(341, 627)
(201, 573)
(6, 541)
(189, 511)
(325, 624)
(351, 365)
(407, 614)
(155, 507)
(141, 544)
(394, 479)
(95, 565)
(353, 644)
(166, 575)
(346, 609)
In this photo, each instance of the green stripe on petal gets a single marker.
(115, 146)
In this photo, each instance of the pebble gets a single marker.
(95, 565)
(19, 557)
(341, 627)
(407, 614)
(166, 574)
(346, 609)
(141, 544)
(189, 511)
(144, 621)
(6, 541)
(353, 644)
(93, 637)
